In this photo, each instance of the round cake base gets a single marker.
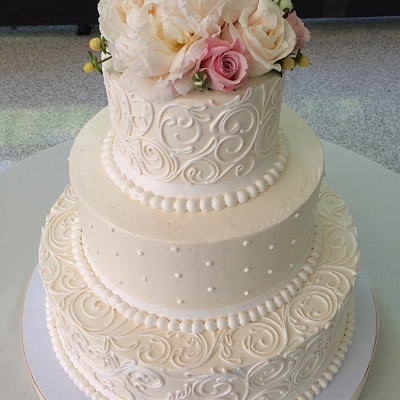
(52, 383)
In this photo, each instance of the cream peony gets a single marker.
(266, 34)
(156, 43)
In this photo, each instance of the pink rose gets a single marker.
(302, 33)
(224, 63)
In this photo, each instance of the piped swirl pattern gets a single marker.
(196, 389)
(201, 144)
(193, 204)
(290, 353)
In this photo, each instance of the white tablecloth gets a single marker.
(371, 192)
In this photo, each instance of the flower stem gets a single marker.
(106, 59)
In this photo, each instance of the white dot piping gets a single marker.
(195, 325)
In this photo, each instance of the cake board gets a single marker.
(52, 383)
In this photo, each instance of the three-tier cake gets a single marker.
(196, 252)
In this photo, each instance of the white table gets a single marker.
(372, 193)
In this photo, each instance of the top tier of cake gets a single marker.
(198, 145)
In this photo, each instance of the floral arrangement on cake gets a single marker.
(165, 48)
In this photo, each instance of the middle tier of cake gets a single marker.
(215, 265)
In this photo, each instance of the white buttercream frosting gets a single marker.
(252, 301)
(202, 144)
(195, 199)
(249, 310)
(294, 349)
(209, 245)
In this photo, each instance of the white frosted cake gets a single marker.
(196, 252)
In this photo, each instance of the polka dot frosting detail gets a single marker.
(197, 326)
(115, 253)
(209, 263)
(174, 249)
(139, 253)
(270, 271)
(246, 243)
(294, 241)
(210, 289)
(112, 230)
(271, 247)
(178, 275)
(246, 270)
(297, 215)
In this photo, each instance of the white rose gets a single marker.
(156, 44)
(266, 34)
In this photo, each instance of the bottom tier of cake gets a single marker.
(290, 352)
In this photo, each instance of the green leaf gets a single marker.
(91, 56)
(201, 81)
(104, 45)
(98, 69)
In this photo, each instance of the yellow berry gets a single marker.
(288, 63)
(88, 67)
(304, 62)
(95, 44)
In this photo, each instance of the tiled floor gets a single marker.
(350, 95)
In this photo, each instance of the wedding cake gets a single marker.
(196, 252)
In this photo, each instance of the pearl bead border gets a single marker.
(316, 388)
(188, 325)
(193, 204)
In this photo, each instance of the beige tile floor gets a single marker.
(350, 95)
